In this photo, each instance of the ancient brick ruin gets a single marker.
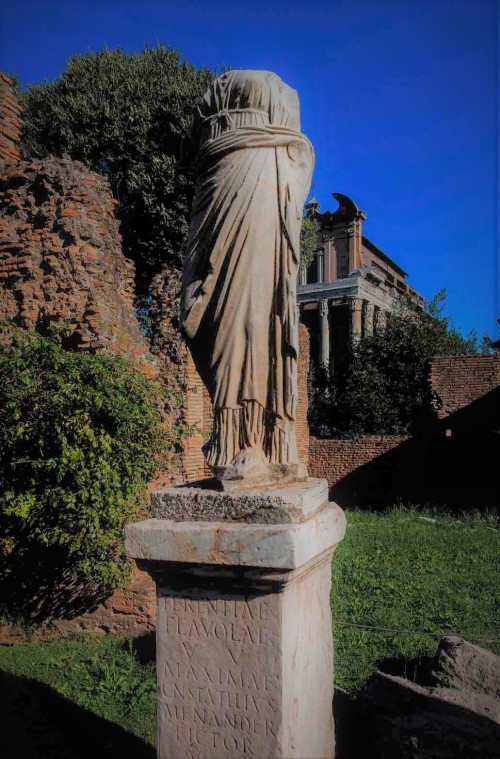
(61, 257)
(10, 123)
(456, 382)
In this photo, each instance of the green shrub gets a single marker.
(124, 115)
(308, 241)
(79, 439)
(381, 388)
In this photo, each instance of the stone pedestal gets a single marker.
(244, 633)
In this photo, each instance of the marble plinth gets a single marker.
(244, 635)
(292, 503)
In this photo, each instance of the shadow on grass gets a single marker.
(145, 648)
(38, 723)
(419, 670)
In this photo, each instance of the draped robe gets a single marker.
(238, 301)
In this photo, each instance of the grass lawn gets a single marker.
(101, 676)
(416, 575)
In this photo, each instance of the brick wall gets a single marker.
(336, 459)
(61, 261)
(10, 123)
(457, 381)
(453, 459)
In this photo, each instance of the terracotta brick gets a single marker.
(70, 212)
(457, 381)
(10, 124)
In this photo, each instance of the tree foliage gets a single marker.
(382, 388)
(80, 437)
(308, 240)
(125, 115)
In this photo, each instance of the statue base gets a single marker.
(244, 633)
(199, 501)
(250, 470)
(234, 478)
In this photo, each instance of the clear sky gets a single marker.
(399, 98)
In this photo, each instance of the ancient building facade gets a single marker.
(351, 286)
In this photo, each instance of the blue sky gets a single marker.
(399, 98)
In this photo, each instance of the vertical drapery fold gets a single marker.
(238, 305)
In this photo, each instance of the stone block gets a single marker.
(244, 635)
(294, 503)
(463, 665)
(280, 546)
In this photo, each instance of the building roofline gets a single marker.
(380, 253)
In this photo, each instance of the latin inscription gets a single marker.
(219, 676)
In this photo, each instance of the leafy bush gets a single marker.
(79, 440)
(382, 386)
(125, 116)
(308, 240)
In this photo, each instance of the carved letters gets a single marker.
(218, 676)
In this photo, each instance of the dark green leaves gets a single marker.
(79, 437)
(124, 115)
(382, 387)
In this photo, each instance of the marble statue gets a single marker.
(238, 305)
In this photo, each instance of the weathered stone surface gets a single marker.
(61, 259)
(281, 546)
(239, 477)
(295, 503)
(244, 635)
(463, 665)
(238, 300)
(245, 671)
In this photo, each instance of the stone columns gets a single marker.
(244, 632)
(355, 318)
(320, 265)
(368, 314)
(324, 316)
(380, 320)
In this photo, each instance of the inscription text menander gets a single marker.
(219, 675)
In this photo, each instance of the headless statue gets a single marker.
(238, 303)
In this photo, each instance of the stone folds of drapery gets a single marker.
(238, 305)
